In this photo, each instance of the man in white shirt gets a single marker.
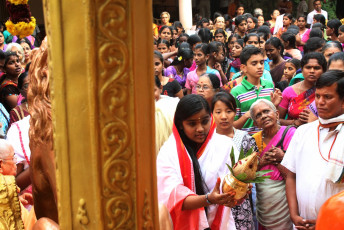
(317, 10)
(314, 159)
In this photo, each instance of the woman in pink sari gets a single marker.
(272, 207)
(296, 98)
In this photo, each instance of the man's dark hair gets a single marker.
(329, 78)
(316, 1)
(247, 52)
(314, 55)
(320, 18)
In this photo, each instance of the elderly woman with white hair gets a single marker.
(18, 49)
(272, 141)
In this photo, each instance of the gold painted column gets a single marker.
(102, 96)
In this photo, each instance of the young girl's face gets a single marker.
(236, 51)
(166, 34)
(262, 44)
(211, 25)
(341, 36)
(250, 24)
(157, 66)
(254, 41)
(224, 116)
(301, 22)
(260, 20)
(197, 127)
(286, 21)
(220, 55)
(242, 27)
(231, 43)
(175, 34)
(240, 11)
(162, 47)
(179, 31)
(199, 57)
(272, 52)
(275, 14)
(289, 70)
(220, 38)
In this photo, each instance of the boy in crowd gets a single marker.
(252, 88)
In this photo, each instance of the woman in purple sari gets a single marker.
(272, 141)
(179, 68)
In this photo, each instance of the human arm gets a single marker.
(170, 54)
(218, 67)
(276, 97)
(298, 221)
(238, 124)
(23, 176)
(215, 197)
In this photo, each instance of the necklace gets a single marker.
(300, 87)
(263, 137)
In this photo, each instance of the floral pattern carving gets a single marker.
(115, 104)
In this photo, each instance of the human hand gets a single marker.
(277, 155)
(301, 223)
(249, 191)
(26, 199)
(226, 199)
(276, 97)
(218, 67)
(312, 117)
(267, 159)
(304, 116)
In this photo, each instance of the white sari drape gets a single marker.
(212, 163)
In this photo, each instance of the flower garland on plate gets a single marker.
(20, 23)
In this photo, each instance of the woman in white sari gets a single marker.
(189, 167)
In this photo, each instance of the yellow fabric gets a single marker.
(10, 211)
(29, 218)
(259, 139)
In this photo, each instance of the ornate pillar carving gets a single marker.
(102, 97)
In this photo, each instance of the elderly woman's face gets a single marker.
(264, 116)
(17, 51)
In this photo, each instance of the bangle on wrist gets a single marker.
(207, 199)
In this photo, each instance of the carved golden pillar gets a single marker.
(102, 90)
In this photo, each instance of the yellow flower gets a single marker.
(18, 2)
(180, 58)
(342, 21)
(21, 29)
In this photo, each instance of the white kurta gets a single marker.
(212, 164)
(15, 140)
(303, 158)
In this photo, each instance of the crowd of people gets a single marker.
(242, 81)
(16, 55)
